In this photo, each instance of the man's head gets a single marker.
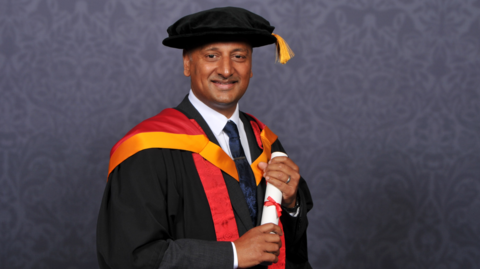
(217, 46)
(220, 73)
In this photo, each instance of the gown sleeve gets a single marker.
(295, 228)
(139, 215)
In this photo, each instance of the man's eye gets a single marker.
(239, 56)
(211, 56)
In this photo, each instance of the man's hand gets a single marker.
(259, 245)
(277, 172)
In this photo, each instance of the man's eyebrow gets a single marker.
(241, 49)
(235, 50)
(211, 48)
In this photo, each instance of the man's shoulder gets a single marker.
(168, 129)
(169, 120)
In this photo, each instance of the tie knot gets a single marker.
(231, 129)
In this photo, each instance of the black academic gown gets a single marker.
(155, 214)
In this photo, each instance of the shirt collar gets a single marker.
(215, 120)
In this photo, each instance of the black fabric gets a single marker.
(155, 214)
(226, 23)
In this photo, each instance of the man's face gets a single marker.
(220, 73)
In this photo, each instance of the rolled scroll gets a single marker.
(273, 199)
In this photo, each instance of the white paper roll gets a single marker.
(269, 214)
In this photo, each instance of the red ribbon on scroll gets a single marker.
(270, 201)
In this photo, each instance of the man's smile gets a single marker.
(224, 85)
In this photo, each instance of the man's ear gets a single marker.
(186, 63)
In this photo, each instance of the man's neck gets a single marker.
(214, 118)
(226, 110)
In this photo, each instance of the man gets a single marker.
(186, 187)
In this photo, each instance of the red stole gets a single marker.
(173, 130)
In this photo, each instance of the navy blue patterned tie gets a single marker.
(245, 173)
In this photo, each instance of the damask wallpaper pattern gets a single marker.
(380, 108)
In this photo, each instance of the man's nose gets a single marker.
(225, 69)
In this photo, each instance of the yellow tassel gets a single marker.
(284, 52)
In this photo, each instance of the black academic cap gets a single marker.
(226, 23)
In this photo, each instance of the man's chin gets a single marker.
(225, 104)
(226, 97)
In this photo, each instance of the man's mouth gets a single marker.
(224, 84)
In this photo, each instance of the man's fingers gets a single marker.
(280, 168)
(269, 257)
(272, 248)
(278, 175)
(270, 227)
(262, 165)
(273, 238)
(283, 186)
(286, 161)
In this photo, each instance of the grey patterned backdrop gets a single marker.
(380, 107)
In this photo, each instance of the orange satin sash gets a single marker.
(171, 129)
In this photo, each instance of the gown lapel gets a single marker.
(240, 208)
(255, 152)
